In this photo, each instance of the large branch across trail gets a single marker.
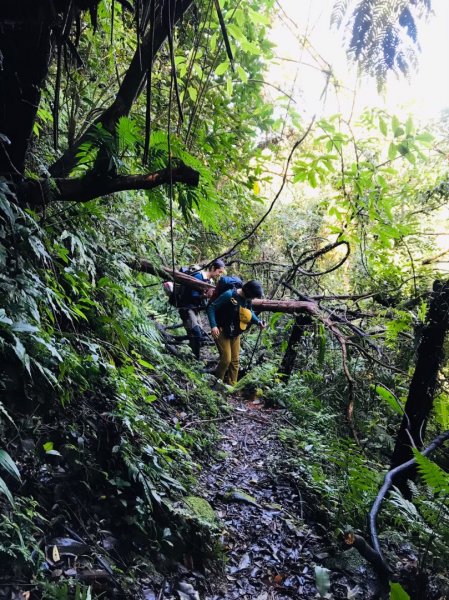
(307, 306)
(83, 189)
(286, 306)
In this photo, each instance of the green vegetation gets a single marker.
(106, 420)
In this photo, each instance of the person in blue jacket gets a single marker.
(193, 302)
(229, 315)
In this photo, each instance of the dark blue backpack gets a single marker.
(225, 283)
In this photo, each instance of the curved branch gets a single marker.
(322, 251)
(316, 255)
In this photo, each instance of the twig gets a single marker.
(376, 360)
(199, 421)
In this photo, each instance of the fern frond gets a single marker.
(127, 133)
(403, 505)
(432, 474)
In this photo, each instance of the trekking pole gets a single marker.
(248, 366)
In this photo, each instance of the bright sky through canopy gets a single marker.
(425, 95)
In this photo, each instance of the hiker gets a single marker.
(229, 315)
(193, 301)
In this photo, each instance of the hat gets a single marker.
(245, 317)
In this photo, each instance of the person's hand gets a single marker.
(262, 325)
(208, 293)
(215, 332)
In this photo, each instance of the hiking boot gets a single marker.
(219, 386)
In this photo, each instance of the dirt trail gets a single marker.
(271, 552)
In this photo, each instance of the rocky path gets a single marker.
(271, 553)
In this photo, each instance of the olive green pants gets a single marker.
(228, 366)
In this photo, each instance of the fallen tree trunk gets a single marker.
(306, 307)
(286, 306)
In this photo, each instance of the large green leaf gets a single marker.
(397, 592)
(7, 463)
(4, 489)
(389, 397)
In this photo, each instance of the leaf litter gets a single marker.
(270, 551)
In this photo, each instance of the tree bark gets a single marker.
(25, 51)
(82, 189)
(288, 360)
(419, 403)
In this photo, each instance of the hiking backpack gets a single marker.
(229, 316)
(180, 296)
(225, 283)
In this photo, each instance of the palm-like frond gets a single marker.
(338, 12)
(127, 133)
(383, 33)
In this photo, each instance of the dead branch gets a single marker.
(201, 421)
(286, 306)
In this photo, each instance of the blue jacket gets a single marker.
(221, 312)
(196, 295)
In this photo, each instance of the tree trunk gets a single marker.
(288, 360)
(419, 403)
(25, 30)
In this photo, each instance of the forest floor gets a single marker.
(272, 550)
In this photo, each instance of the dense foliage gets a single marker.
(105, 421)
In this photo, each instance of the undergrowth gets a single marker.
(340, 477)
(91, 413)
